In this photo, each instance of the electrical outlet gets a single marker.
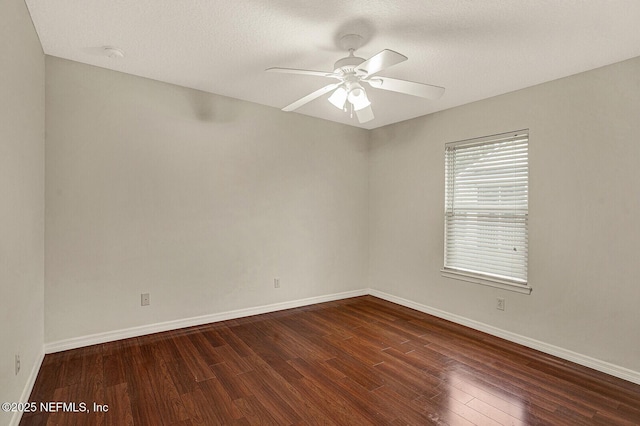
(17, 364)
(500, 303)
(144, 299)
(276, 282)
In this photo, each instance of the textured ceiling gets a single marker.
(475, 49)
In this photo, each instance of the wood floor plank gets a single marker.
(166, 353)
(541, 386)
(362, 374)
(228, 378)
(356, 348)
(254, 412)
(315, 342)
(443, 413)
(113, 370)
(327, 326)
(308, 412)
(356, 361)
(287, 339)
(232, 360)
(351, 403)
(198, 367)
(206, 351)
(497, 414)
(119, 413)
(281, 411)
(466, 412)
(403, 409)
(141, 394)
(234, 341)
(216, 397)
(203, 410)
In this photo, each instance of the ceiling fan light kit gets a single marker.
(339, 98)
(358, 97)
(351, 71)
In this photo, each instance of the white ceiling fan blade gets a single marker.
(365, 114)
(408, 87)
(303, 72)
(380, 61)
(311, 96)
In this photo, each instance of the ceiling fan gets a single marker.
(351, 72)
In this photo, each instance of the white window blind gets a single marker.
(486, 207)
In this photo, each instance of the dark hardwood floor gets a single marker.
(352, 362)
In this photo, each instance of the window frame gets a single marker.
(489, 279)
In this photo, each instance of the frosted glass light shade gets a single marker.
(358, 97)
(338, 98)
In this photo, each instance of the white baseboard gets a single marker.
(78, 342)
(109, 336)
(596, 364)
(28, 387)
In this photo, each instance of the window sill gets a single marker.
(484, 280)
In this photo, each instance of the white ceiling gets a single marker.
(475, 49)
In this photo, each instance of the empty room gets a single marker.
(339, 213)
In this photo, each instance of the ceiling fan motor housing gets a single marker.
(348, 64)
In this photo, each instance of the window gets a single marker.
(486, 210)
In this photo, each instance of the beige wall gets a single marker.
(584, 233)
(197, 199)
(22, 194)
